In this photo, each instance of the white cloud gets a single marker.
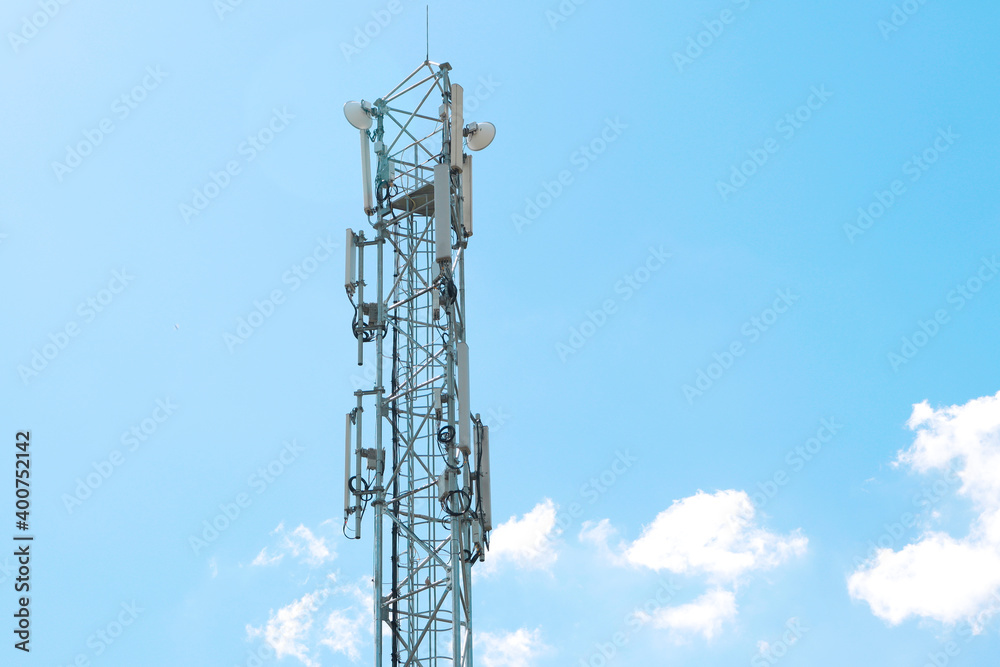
(345, 628)
(291, 630)
(343, 633)
(287, 630)
(940, 577)
(709, 535)
(301, 543)
(509, 649)
(528, 542)
(704, 616)
(599, 534)
(263, 559)
(712, 534)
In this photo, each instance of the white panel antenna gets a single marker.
(442, 212)
(347, 469)
(457, 128)
(366, 172)
(464, 414)
(467, 194)
(350, 270)
(484, 479)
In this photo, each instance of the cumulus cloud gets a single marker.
(704, 616)
(509, 649)
(300, 543)
(344, 632)
(528, 542)
(711, 534)
(298, 628)
(313, 550)
(938, 576)
(287, 630)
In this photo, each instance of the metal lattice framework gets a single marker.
(415, 455)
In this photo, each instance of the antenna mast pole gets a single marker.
(434, 494)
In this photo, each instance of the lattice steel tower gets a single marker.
(415, 454)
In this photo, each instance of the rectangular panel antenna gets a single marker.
(442, 212)
(457, 125)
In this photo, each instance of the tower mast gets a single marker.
(416, 457)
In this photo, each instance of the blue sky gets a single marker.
(671, 288)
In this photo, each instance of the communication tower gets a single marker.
(416, 456)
